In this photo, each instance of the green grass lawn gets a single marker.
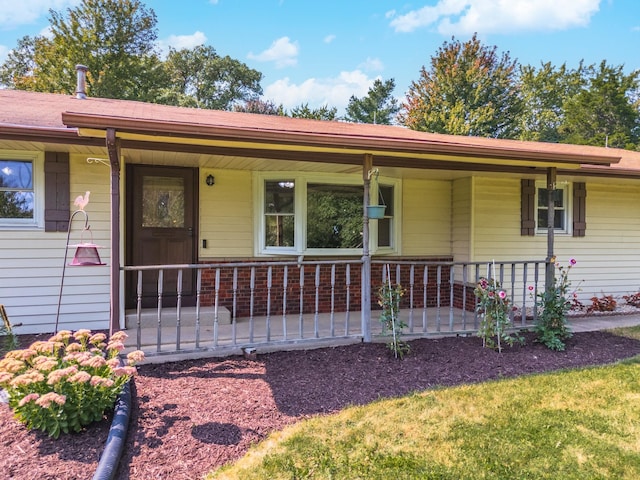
(578, 424)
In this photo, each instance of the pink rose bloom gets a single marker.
(573, 261)
(502, 294)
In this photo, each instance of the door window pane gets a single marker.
(334, 216)
(17, 195)
(163, 202)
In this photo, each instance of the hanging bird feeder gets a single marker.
(86, 255)
(86, 252)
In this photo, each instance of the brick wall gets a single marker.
(323, 294)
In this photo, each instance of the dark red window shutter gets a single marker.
(528, 207)
(579, 209)
(56, 191)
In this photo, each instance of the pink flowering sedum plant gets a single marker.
(67, 382)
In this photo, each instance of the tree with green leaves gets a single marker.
(262, 107)
(469, 90)
(544, 92)
(378, 106)
(322, 113)
(17, 70)
(115, 39)
(199, 77)
(606, 111)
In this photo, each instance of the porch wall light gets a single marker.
(211, 180)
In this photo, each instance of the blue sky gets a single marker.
(322, 52)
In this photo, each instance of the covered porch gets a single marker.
(287, 146)
(242, 307)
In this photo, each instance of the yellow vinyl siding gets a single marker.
(608, 257)
(426, 219)
(462, 219)
(496, 213)
(32, 262)
(226, 220)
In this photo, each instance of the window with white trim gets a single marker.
(561, 207)
(320, 215)
(21, 194)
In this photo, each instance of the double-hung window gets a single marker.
(560, 206)
(320, 215)
(20, 192)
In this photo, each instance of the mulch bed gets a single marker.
(192, 416)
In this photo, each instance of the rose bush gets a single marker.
(71, 380)
(552, 327)
(494, 307)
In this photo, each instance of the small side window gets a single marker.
(560, 206)
(17, 192)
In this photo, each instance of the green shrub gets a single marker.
(8, 339)
(493, 306)
(67, 382)
(552, 328)
(389, 297)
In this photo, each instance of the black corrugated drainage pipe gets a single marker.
(117, 436)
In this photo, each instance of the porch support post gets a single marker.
(113, 148)
(550, 268)
(366, 257)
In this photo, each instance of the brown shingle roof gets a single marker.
(31, 111)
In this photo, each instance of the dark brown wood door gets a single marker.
(161, 230)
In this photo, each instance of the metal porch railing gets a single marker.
(250, 304)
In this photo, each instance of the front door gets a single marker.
(161, 230)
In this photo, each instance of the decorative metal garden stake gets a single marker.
(86, 253)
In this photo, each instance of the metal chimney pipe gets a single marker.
(81, 84)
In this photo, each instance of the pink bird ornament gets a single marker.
(82, 201)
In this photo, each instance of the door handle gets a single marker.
(190, 231)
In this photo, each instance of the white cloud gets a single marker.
(451, 17)
(282, 52)
(179, 42)
(329, 38)
(317, 92)
(14, 13)
(372, 65)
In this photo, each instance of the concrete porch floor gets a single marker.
(266, 334)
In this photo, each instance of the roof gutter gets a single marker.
(546, 153)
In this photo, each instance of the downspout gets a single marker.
(549, 277)
(113, 148)
(366, 257)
